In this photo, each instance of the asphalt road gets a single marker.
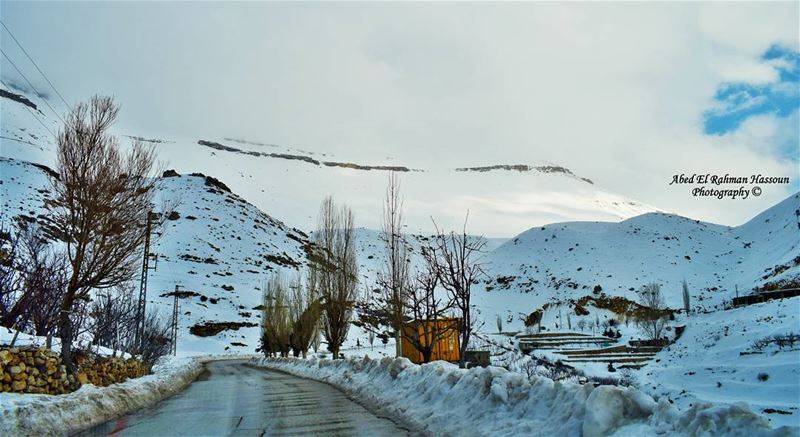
(232, 399)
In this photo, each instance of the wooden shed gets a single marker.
(446, 347)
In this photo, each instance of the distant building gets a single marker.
(446, 347)
(763, 296)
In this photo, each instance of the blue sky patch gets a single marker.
(739, 101)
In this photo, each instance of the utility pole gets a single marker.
(175, 321)
(141, 304)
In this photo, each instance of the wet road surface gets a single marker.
(232, 399)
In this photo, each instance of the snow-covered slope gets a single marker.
(220, 249)
(216, 246)
(26, 131)
(566, 261)
(719, 359)
(502, 200)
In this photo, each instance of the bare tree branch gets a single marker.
(459, 267)
(101, 202)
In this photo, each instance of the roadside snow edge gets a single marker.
(45, 415)
(443, 399)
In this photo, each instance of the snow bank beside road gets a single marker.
(440, 398)
(45, 415)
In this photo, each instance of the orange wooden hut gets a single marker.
(446, 347)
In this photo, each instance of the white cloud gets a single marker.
(614, 91)
(750, 71)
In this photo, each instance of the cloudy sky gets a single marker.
(626, 94)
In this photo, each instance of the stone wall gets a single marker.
(106, 371)
(34, 370)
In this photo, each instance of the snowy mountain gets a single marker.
(215, 245)
(217, 240)
(554, 262)
(565, 261)
(220, 248)
(502, 199)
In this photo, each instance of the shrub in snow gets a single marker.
(651, 318)
(780, 340)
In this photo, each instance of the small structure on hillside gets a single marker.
(763, 296)
(446, 346)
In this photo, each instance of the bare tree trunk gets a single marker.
(101, 201)
(65, 332)
(394, 277)
(459, 267)
(337, 272)
(14, 338)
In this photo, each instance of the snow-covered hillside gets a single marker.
(566, 261)
(220, 249)
(216, 246)
(727, 356)
(291, 181)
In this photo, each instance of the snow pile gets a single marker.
(444, 399)
(45, 415)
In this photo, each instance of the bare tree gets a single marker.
(101, 201)
(79, 321)
(651, 318)
(45, 283)
(304, 312)
(428, 323)
(157, 338)
(336, 275)
(112, 318)
(313, 290)
(581, 324)
(33, 280)
(126, 323)
(394, 278)
(686, 298)
(459, 267)
(11, 280)
(276, 325)
(499, 322)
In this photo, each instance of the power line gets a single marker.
(35, 64)
(33, 114)
(31, 85)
